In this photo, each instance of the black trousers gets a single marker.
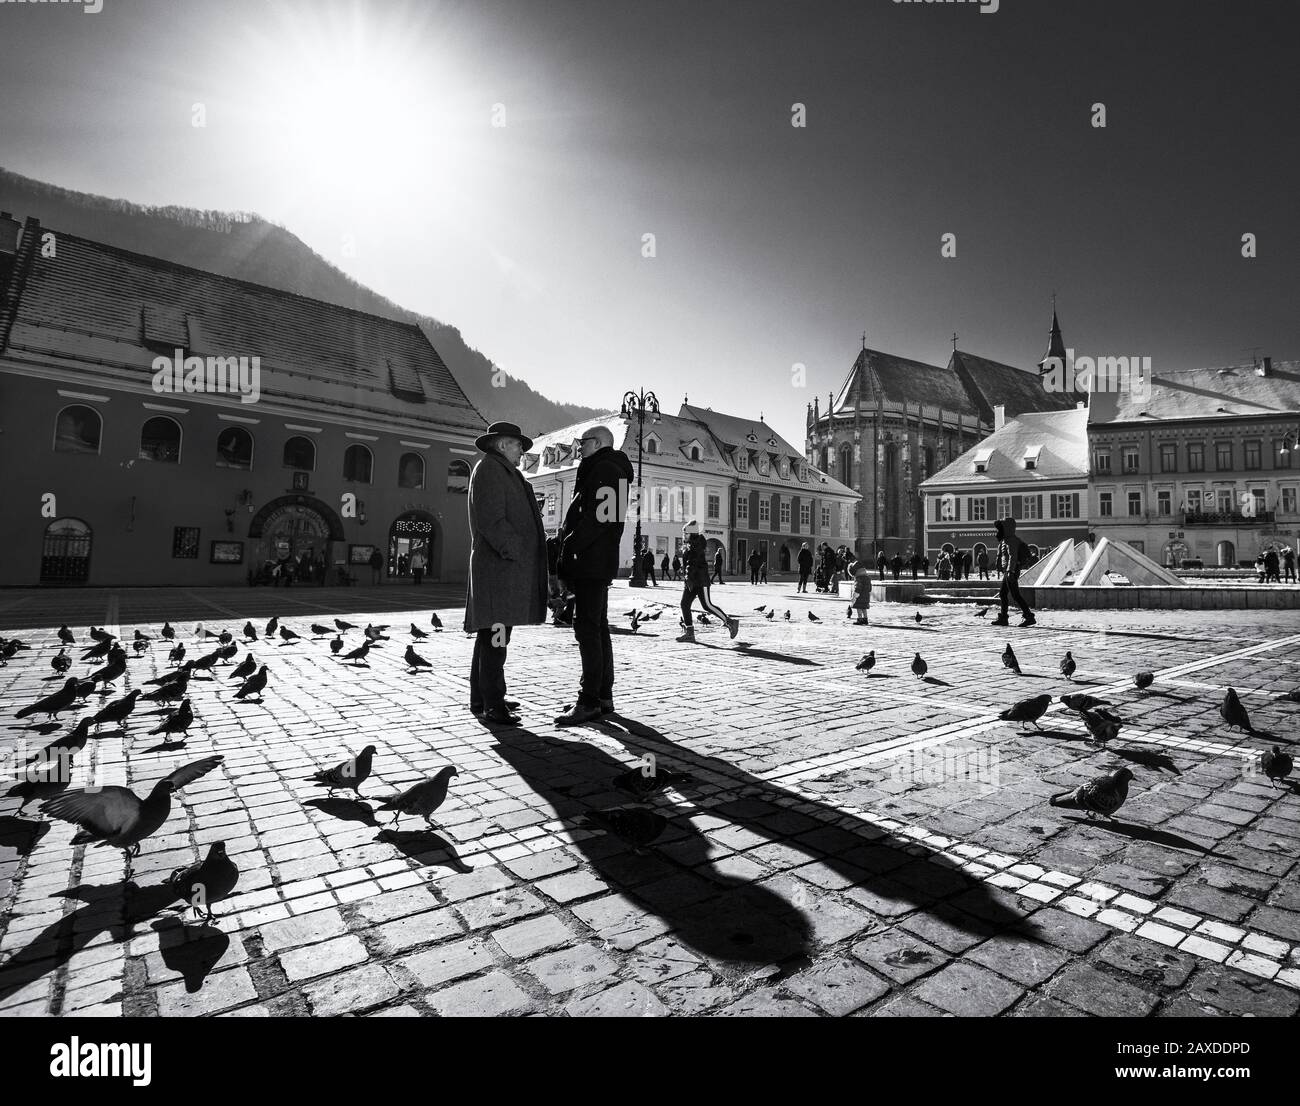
(1011, 590)
(487, 670)
(591, 628)
(803, 580)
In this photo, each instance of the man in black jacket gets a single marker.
(589, 556)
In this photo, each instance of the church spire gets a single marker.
(1055, 345)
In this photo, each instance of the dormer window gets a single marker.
(784, 468)
(982, 460)
(652, 443)
(695, 453)
(742, 460)
(1031, 456)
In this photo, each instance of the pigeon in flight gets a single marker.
(867, 663)
(422, 799)
(1067, 666)
(1233, 712)
(375, 634)
(66, 637)
(349, 775)
(1102, 795)
(117, 712)
(1027, 710)
(52, 705)
(919, 667)
(245, 669)
(344, 627)
(117, 816)
(436, 621)
(62, 662)
(209, 881)
(636, 621)
(250, 632)
(179, 721)
(1144, 680)
(1276, 764)
(417, 633)
(1009, 659)
(254, 685)
(414, 661)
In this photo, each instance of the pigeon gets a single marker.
(71, 742)
(770, 614)
(422, 799)
(228, 652)
(272, 626)
(375, 633)
(287, 635)
(62, 662)
(1080, 702)
(417, 633)
(179, 721)
(7, 650)
(205, 662)
(1067, 666)
(245, 669)
(867, 663)
(639, 827)
(917, 616)
(1277, 765)
(704, 619)
(139, 647)
(654, 617)
(171, 677)
(787, 616)
(642, 786)
(117, 816)
(1027, 710)
(319, 631)
(848, 611)
(1144, 680)
(167, 631)
(177, 654)
(48, 772)
(254, 685)
(761, 609)
(919, 667)
(225, 637)
(812, 617)
(1150, 758)
(358, 654)
(636, 621)
(1009, 659)
(52, 705)
(83, 689)
(1102, 723)
(207, 882)
(141, 637)
(119, 709)
(115, 669)
(1102, 795)
(98, 652)
(198, 629)
(351, 774)
(436, 621)
(336, 644)
(982, 612)
(250, 631)
(100, 634)
(1233, 712)
(414, 661)
(171, 691)
(344, 627)
(65, 636)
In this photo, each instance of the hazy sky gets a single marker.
(367, 130)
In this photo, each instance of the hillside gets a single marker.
(243, 245)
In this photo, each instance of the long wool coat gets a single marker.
(507, 559)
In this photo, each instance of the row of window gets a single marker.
(1251, 503)
(78, 429)
(988, 508)
(1224, 460)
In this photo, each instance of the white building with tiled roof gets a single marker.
(746, 486)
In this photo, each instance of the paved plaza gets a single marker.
(834, 842)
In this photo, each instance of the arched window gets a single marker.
(651, 445)
(846, 464)
(160, 440)
(929, 462)
(358, 464)
(410, 471)
(695, 453)
(458, 477)
(77, 429)
(300, 453)
(234, 448)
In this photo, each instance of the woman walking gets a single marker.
(697, 584)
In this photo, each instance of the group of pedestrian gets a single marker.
(1272, 566)
(306, 568)
(758, 566)
(516, 575)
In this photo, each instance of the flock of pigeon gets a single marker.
(117, 816)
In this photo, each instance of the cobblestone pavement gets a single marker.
(846, 843)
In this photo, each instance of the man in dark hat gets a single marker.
(507, 566)
(588, 563)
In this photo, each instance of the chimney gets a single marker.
(999, 416)
(1267, 369)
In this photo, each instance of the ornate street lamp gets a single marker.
(638, 404)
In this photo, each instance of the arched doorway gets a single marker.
(784, 558)
(294, 529)
(65, 552)
(1226, 554)
(409, 532)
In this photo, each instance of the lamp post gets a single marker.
(638, 404)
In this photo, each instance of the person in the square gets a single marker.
(507, 566)
(697, 585)
(1013, 555)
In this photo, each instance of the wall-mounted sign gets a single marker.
(227, 553)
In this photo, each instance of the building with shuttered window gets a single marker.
(1033, 468)
(357, 439)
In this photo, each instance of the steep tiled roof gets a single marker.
(1205, 394)
(901, 380)
(990, 383)
(1060, 436)
(99, 303)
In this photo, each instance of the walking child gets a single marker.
(696, 570)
